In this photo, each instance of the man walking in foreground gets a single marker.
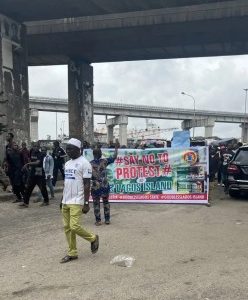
(75, 200)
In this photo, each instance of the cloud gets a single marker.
(216, 83)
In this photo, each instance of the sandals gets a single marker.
(68, 258)
(95, 245)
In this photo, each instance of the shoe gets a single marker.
(107, 222)
(17, 201)
(95, 245)
(68, 258)
(44, 204)
(218, 183)
(23, 205)
(98, 223)
(52, 197)
(223, 185)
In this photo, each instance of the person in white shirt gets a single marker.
(48, 165)
(75, 199)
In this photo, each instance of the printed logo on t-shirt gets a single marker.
(70, 173)
(89, 171)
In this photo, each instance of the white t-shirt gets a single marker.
(75, 171)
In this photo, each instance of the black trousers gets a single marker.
(55, 173)
(18, 190)
(32, 182)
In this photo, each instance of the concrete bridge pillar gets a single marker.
(244, 132)
(34, 118)
(110, 133)
(80, 100)
(209, 131)
(186, 125)
(122, 121)
(14, 100)
(123, 131)
(208, 123)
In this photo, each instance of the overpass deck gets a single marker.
(140, 111)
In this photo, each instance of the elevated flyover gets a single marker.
(124, 30)
(148, 30)
(121, 112)
(138, 111)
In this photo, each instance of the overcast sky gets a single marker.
(216, 84)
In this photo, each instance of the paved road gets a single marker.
(182, 252)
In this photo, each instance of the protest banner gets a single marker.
(158, 175)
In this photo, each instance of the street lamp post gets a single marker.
(244, 130)
(185, 94)
(56, 117)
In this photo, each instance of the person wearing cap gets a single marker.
(75, 199)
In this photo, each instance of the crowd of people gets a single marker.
(37, 166)
(27, 168)
(219, 158)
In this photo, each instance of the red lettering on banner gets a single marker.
(138, 172)
(133, 173)
(125, 173)
(167, 170)
(131, 160)
(126, 160)
(118, 160)
(163, 157)
(118, 172)
(148, 159)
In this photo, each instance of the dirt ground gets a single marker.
(182, 252)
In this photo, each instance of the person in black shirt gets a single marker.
(36, 176)
(9, 139)
(15, 163)
(226, 157)
(59, 161)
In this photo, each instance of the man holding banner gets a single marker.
(100, 186)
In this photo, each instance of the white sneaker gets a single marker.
(223, 185)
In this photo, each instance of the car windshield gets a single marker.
(242, 157)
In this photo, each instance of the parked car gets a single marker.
(237, 170)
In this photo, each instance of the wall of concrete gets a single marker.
(14, 99)
(80, 104)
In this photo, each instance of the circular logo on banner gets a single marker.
(190, 157)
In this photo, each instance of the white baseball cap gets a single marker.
(75, 142)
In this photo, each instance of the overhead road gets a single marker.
(124, 30)
(138, 111)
